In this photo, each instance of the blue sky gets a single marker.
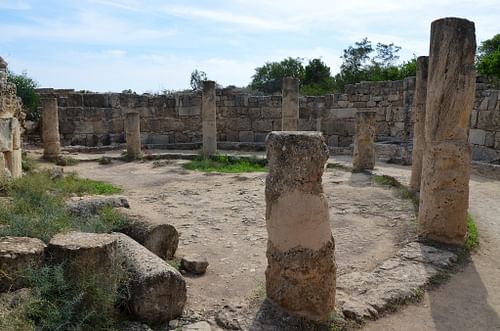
(111, 45)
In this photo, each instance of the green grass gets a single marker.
(66, 161)
(37, 208)
(472, 240)
(226, 164)
(403, 191)
(335, 165)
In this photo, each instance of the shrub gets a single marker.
(225, 163)
(26, 91)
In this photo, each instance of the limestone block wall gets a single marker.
(484, 134)
(96, 119)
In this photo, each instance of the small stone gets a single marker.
(194, 264)
(198, 326)
(56, 173)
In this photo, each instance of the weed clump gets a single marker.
(226, 164)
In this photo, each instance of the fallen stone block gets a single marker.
(194, 264)
(16, 255)
(160, 238)
(157, 292)
(90, 205)
(198, 326)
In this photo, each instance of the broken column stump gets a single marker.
(419, 125)
(208, 118)
(133, 134)
(50, 127)
(363, 157)
(290, 104)
(16, 255)
(157, 291)
(300, 276)
(160, 238)
(447, 155)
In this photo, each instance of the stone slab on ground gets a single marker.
(160, 238)
(198, 326)
(194, 263)
(90, 205)
(157, 291)
(366, 295)
(17, 254)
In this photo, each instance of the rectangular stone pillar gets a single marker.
(208, 118)
(133, 134)
(363, 157)
(15, 159)
(301, 271)
(419, 124)
(446, 163)
(290, 104)
(50, 127)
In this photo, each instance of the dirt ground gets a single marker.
(221, 216)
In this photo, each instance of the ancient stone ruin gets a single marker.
(290, 104)
(50, 127)
(300, 276)
(444, 198)
(133, 134)
(363, 157)
(209, 118)
(10, 129)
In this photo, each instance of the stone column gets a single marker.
(419, 125)
(14, 158)
(363, 157)
(133, 134)
(447, 155)
(50, 127)
(300, 276)
(208, 118)
(290, 104)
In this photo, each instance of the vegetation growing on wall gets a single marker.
(26, 91)
(488, 57)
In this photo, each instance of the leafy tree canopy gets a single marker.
(268, 78)
(488, 58)
(26, 91)
(197, 78)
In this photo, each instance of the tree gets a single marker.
(488, 58)
(197, 78)
(268, 78)
(26, 91)
(317, 78)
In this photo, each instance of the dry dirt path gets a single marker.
(470, 300)
(222, 216)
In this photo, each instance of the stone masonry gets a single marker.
(290, 104)
(419, 122)
(363, 157)
(209, 118)
(447, 155)
(50, 127)
(10, 129)
(300, 276)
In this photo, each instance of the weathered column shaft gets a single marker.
(363, 157)
(50, 127)
(301, 271)
(15, 158)
(290, 104)
(419, 125)
(209, 118)
(133, 134)
(446, 162)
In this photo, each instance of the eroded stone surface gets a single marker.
(363, 157)
(194, 263)
(50, 127)
(290, 104)
(17, 254)
(208, 118)
(157, 290)
(300, 276)
(90, 205)
(133, 134)
(446, 162)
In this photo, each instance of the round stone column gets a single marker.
(50, 127)
(290, 104)
(133, 134)
(419, 125)
(301, 271)
(446, 164)
(208, 118)
(363, 157)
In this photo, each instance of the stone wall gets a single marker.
(96, 119)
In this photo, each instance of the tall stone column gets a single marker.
(208, 118)
(290, 104)
(446, 164)
(14, 157)
(363, 157)
(419, 125)
(133, 134)
(301, 271)
(50, 127)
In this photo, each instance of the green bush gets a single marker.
(26, 91)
